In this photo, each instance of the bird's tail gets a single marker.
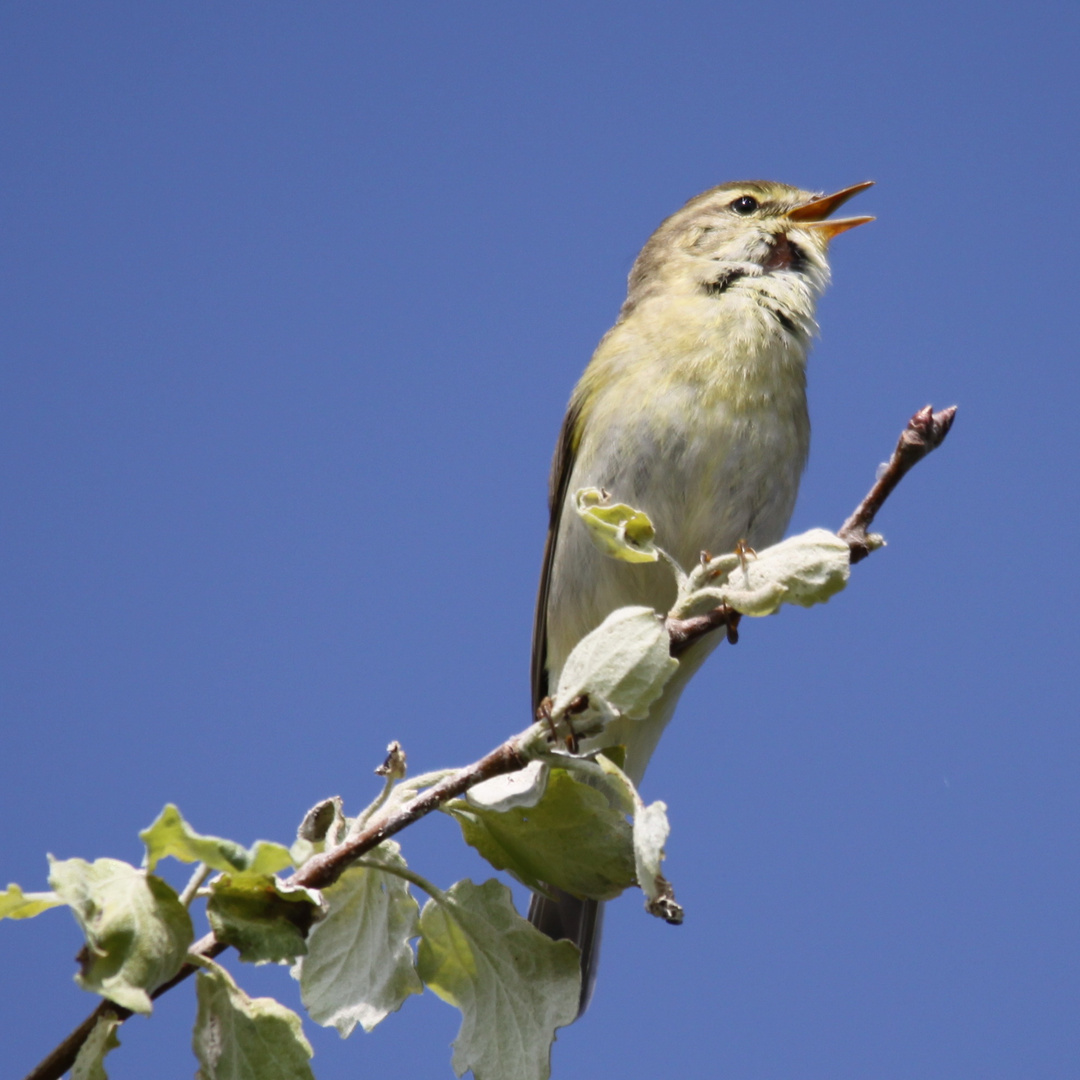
(580, 921)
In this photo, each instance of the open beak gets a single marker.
(813, 215)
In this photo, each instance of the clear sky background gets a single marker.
(292, 299)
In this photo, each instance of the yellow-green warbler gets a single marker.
(693, 409)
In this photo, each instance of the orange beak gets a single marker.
(813, 214)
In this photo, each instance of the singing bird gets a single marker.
(693, 409)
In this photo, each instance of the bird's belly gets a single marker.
(730, 475)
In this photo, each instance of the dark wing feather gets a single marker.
(561, 915)
(562, 466)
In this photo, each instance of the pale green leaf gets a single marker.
(523, 788)
(241, 1038)
(513, 985)
(621, 667)
(651, 831)
(764, 600)
(359, 965)
(137, 931)
(263, 918)
(90, 1061)
(619, 787)
(15, 904)
(572, 837)
(619, 530)
(813, 566)
(171, 835)
(807, 569)
(268, 857)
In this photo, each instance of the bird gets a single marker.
(693, 409)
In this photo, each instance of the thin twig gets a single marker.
(925, 431)
(684, 632)
(63, 1056)
(317, 873)
(325, 869)
(198, 876)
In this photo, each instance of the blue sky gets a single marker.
(292, 300)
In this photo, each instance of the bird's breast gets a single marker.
(697, 417)
(699, 414)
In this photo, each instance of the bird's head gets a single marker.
(745, 229)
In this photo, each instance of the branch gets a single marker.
(512, 755)
(320, 871)
(63, 1056)
(684, 632)
(925, 431)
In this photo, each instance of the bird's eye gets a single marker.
(744, 204)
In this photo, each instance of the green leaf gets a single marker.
(573, 838)
(524, 788)
(621, 667)
(813, 566)
(513, 985)
(90, 1061)
(651, 831)
(268, 857)
(137, 931)
(264, 919)
(619, 530)
(171, 835)
(242, 1038)
(807, 569)
(359, 965)
(15, 904)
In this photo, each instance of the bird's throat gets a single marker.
(784, 255)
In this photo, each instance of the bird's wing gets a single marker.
(561, 915)
(562, 466)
